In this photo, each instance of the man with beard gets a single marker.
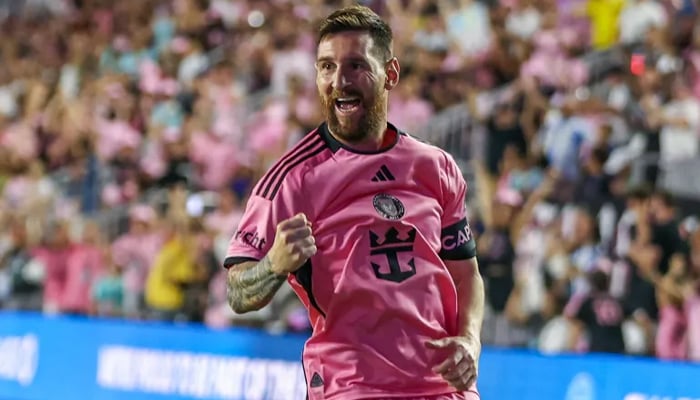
(368, 225)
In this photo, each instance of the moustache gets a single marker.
(337, 94)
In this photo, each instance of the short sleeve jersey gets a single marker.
(377, 288)
(603, 315)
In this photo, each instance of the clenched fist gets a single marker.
(294, 244)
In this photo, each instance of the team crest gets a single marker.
(388, 206)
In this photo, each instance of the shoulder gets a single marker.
(308, 152)
(425, 150)
(433, 159)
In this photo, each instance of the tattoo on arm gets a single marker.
(252, 286)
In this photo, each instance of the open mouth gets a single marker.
(347, 105)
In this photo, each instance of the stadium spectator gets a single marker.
(133, 253)
(107, 294)
(84, 266)
(20, 273)
(600, 315)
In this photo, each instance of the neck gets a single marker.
(372, 142)
(665, 216)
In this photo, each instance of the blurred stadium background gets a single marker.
(131, 133)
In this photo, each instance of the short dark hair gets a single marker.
(360, 19)
(665, 197)
(641, 192)
(600, 155)
(599, 280)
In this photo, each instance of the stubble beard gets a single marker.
(367, 125)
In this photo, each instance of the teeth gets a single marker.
(347, 99)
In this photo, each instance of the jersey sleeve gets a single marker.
(257, 228)
(578, 307)
(456, 235)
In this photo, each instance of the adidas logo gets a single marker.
(316, 380)
(383, 175)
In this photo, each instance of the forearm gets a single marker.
(470, 300)
(678, 122)
(513, 310)
(252, 285)
(471, 305)
(643, 232)
(574, 335)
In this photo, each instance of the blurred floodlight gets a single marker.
(256, 19)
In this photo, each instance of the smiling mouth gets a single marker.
(347, 105)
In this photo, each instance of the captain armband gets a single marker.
(457, 242)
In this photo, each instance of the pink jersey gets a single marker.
(671, 335)
(692, 307)
(377, 289)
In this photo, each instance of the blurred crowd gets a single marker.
(131, 133)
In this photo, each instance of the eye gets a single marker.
(326, 66)
(357, 65)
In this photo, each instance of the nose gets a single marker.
(340, 79)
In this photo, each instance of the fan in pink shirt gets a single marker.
(692, 307)
(135, 252)
(21, 140)
(54, 255)
(225, 219)
(671, 335)
(84, 266)
(410, 108)
(113, 135)
(550, 65)
(692, 304)
(215, 157)
(369, 227)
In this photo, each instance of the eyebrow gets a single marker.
(351, 58)
(324, 59)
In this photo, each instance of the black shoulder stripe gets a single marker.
(304, 145)
(231, 261)
(275, 173)
(305, 157)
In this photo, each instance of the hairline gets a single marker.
(383, 55)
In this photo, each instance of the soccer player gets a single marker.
(368, 225)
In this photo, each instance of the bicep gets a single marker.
(454, 191)
(463, 270)
(457, 241)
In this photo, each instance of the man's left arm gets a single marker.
(458, 251)
(459, 255)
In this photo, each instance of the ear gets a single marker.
(393, 70)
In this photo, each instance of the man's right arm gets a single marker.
(252, 284)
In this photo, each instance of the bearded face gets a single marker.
(352, 115)
(351, 84)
